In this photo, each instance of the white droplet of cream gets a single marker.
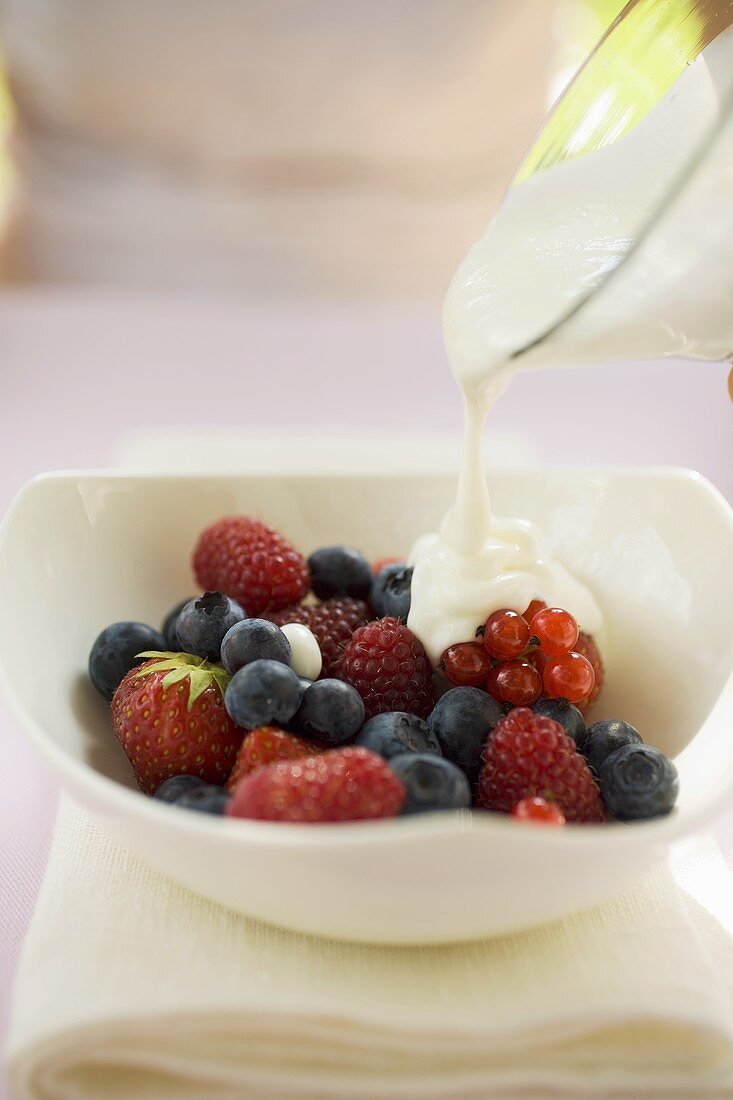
(306, 660)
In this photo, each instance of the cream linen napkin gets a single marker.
(132, 987)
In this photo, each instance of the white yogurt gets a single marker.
(554, 240)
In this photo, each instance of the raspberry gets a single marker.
(332, 622)
(267, 745)
(588, 648)
(538, 810)
(351, 784)
(389, 668)
(249, 561)
(530, 756)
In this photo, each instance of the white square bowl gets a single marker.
(78, 551)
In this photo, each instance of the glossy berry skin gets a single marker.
(339, 571)
(638, 782)
(567, 715)
(249, 561)
(539, 811)
(517, 683)
(115, 652)
(205, 800)
(203, 623)
(170, 719)
(330, 712)
(332, 623)
(263, 693)
(389, 668)
(390, 593)
(466, 664)
(603, 738)
(432, 783)
(529, 756)
(170, 790)
(506, 634)
(588, 648)
(253, 640)
(305, 653)
(462, 720)
(533, 608)
(395, 733)
(555, 629)
(168, 629)
(570, 677)
(268, 745)
(349, 784)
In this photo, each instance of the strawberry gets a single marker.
(350, 784)
(170, 719)
(267, 745)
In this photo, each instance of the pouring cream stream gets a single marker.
(528, 283)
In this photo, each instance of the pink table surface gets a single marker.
(79, 372)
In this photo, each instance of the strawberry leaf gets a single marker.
(201, 674)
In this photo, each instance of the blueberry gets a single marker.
(397, 732)
(638, 782)
(339, 571)
(168, 629)
(253, 640)
(207, 799)
(170, 790)
(603, 738)
(331, 712)
(462, 720)
(115, 652)
(567, 715)
(304, 683)
(432, 783)
(390, 591)
(203, 623)
(263, 693)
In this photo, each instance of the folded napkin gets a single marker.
(132, 987)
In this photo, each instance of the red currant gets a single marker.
(506, 634)
(556, 630)
(539, 659)
(515, 682)
(539, 810)
(569, 676)
(534, 607)
(467, 664)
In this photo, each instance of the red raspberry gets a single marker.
(341, 785)
(267, 745)
(249, 561)
(530, 756)
(332, 622)
(588, 648)
(389, 668)
(539, 811)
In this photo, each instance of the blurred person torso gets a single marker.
(341, 148)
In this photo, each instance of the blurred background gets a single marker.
(222, 218)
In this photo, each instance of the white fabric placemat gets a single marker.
(132, 987)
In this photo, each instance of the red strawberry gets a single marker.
(587, 646)
(529, 756)
(389, 668)
(267, 745)
(169, 717)
(333, 622)
(249, 561)
(341, 785)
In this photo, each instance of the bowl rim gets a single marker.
(114, 797)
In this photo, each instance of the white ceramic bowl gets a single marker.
(78, 551)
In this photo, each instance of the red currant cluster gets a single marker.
(519, 658)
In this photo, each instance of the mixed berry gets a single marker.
(293, 690)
